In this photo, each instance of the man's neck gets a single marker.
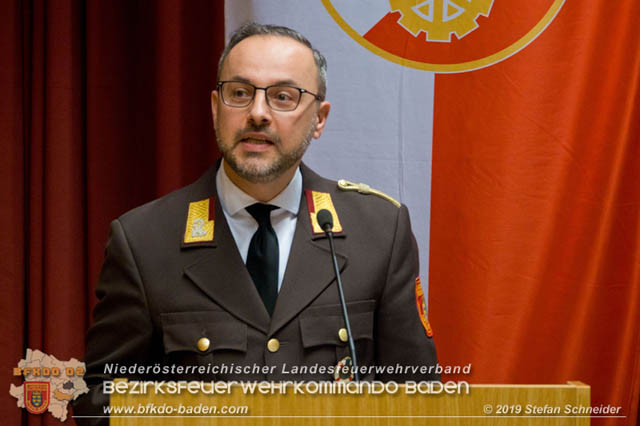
(263, 192)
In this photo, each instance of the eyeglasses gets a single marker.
(280, 97)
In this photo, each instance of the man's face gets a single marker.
(258, 143)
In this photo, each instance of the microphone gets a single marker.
(325, 220)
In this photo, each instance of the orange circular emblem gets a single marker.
(444, 35)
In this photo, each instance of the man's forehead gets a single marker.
(271, 57)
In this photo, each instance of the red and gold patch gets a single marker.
(344, 370)
(317, 201)
(36, 397)
(422, 308)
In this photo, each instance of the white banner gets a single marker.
(379, 131)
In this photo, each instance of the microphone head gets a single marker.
(325, 220)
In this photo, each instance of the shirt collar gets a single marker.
(234, 199)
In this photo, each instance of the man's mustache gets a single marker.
(275, 139)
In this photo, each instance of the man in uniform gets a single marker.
(231, 278)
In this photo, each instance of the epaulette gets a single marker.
(363, 188)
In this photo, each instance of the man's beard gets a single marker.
(259, 173)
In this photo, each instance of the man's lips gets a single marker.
(256, 136)
(255, 142)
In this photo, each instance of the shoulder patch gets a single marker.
(422, 309)
(317, 201)
(200, 222)
(365, 189)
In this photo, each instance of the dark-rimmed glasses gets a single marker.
(279, 97)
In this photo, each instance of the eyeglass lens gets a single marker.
(238, 94)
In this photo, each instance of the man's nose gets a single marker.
(259, 111)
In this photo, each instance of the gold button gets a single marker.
(203, 344)
(342, 334)
(273, 345)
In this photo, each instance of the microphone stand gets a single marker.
(352, 347)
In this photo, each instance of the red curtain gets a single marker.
(105, 105)
(535, 220)
(535, 260)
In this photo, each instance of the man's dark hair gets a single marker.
(254, 29)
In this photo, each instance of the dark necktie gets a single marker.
(263, 256)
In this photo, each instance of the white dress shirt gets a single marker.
(243, 225)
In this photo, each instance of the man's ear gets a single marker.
(214, 105)
(321, 116)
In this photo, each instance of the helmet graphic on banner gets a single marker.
(444, 36)
(440, 18)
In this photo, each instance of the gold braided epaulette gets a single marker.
(363, 188)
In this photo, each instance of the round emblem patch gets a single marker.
(444, 35)
(343, 371)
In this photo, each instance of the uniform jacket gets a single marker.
(158, 297)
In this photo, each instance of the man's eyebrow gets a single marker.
(239, 78)
(287, 82)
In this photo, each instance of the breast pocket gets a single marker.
(202, 338)
(323, 335)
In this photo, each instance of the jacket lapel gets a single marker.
(221, 274)
(309, 268)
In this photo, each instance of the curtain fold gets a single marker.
(105, 106)
(535, 247)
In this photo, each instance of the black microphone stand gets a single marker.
(327, 225)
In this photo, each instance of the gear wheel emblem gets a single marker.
(440, 18)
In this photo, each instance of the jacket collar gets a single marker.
(221, 274)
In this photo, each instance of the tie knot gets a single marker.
(261, 213)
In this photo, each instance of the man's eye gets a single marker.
(284, 96)
(240, 93)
